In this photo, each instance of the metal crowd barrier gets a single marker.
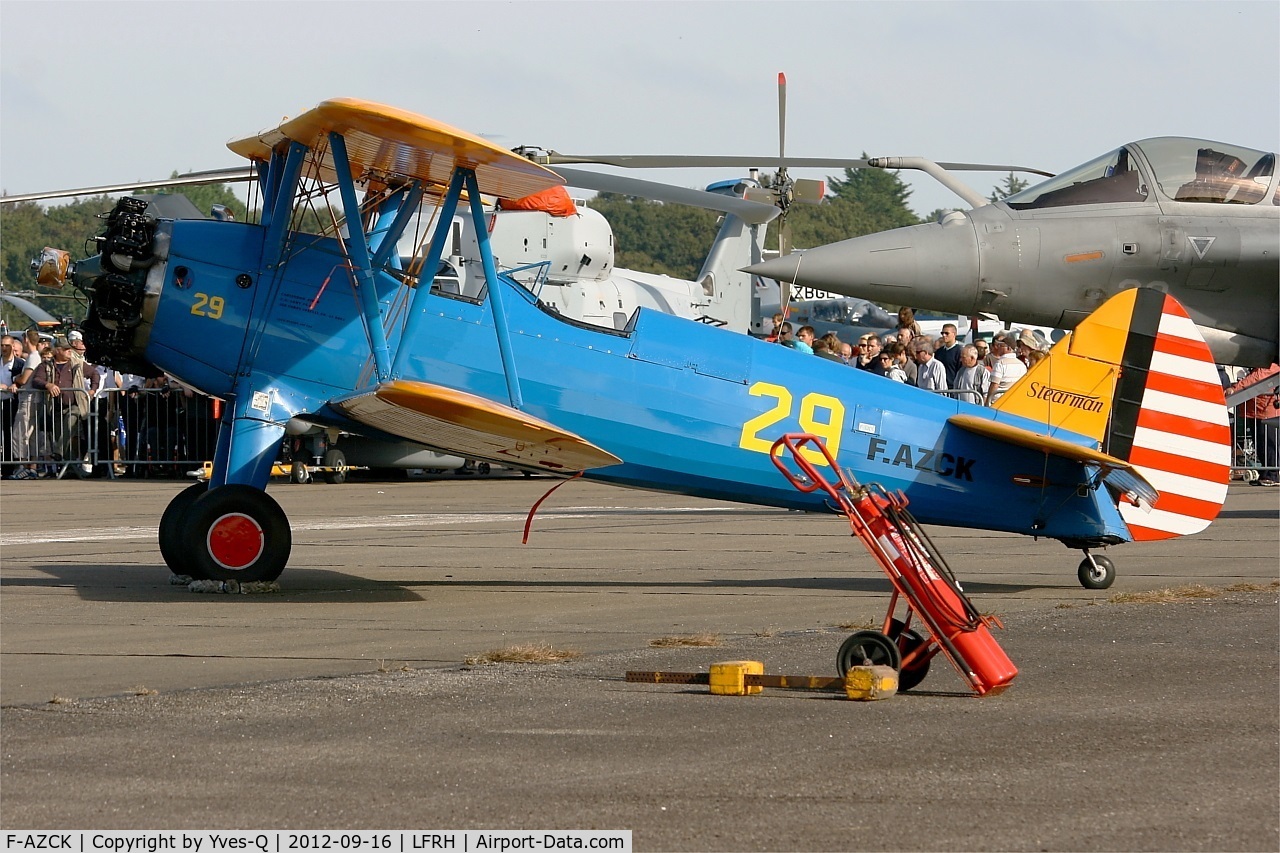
(1254, 444)
(142, 432)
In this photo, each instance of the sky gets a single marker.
(104, 92)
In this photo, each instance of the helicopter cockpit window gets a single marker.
(1202, 171)
(833, 311)
(850, 312)
(1112, 178)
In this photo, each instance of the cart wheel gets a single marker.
(483, 468)
(1099, 577)
(867, 647)
(908, 641)
(298, 473)
(337, 460)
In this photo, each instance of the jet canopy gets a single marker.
(1182, 169)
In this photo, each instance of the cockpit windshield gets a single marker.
(1204, 171)
(1184, 170)
(1111, 179)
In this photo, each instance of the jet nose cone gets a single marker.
(928, 266)
(781, 269)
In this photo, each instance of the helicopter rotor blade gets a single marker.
(782, 120)
(735, 161)
(694, 161)
(751, 212)
(210, 176)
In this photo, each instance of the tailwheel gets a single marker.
(909, 641)
(1096, 571)
(239, 533)
(172, 539)
(862, 648)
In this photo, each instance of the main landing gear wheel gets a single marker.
(867, 647)
(335, 463)
(237, 533)
(909, 640)
(1098, 574)
(171, 538)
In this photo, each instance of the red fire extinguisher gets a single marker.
(940, 603)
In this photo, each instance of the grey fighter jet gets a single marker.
(1191, 217)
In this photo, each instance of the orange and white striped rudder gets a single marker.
(1170, 421)
(1138, 377)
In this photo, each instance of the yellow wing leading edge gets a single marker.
(457, 422)
(388, 141)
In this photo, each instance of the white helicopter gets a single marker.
(563, 252)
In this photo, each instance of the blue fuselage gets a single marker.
(691, 409)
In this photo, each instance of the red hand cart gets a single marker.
(918, 573)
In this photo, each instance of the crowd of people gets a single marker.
(980, 373)
(59, 412)
(976, 373)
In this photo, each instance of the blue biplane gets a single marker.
(1118, 435)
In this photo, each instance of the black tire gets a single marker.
(170, 533)
(483, 468)
(298, 473)
(236, 533)
(335, 459)
(863, 646)
(909, 640)
(1097, 578)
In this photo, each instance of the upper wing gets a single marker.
(471, 426)
(391, 141)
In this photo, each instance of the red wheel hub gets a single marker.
(236, 541)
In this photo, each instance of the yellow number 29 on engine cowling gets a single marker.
(208, 306)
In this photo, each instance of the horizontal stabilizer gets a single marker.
(471, 426)
(1121, 474)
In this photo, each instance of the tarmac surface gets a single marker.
(343, 700)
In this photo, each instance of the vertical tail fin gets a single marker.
(1138, 377)
(739, 243)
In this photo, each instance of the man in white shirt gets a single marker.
(972, 378)
(23, 440)
(1008, 369)
(930, 374)
(10, 370)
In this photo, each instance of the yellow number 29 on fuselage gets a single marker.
(829, 430)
